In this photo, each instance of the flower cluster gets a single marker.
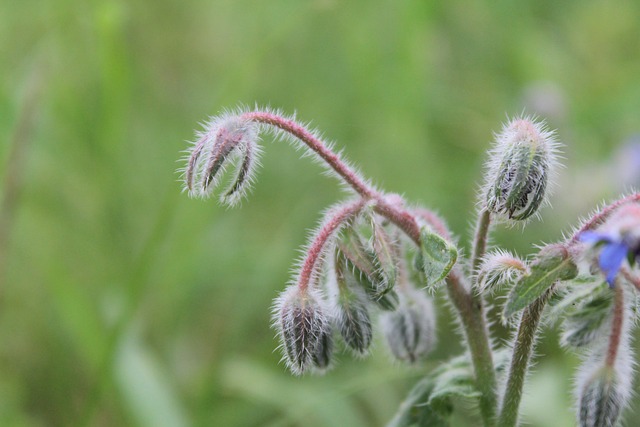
(372, 256)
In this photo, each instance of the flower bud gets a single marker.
(351, 312)
(304, 329)
(225, 138)
(362, 263)
(601, 400)
(410, 329)
(499, 269)
(386, 253)
(519, 168)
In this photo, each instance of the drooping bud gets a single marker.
(225, 138)
(602, 399)
(386, 252)
(518, 169)
(362, 263)
(304, 329)
(351, 314)
(410, 329)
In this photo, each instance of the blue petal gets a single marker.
(611, 259)
(594, 237)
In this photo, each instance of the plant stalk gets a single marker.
(523, 347)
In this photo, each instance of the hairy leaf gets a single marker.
(551, 265)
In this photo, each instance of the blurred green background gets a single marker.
(124, 302)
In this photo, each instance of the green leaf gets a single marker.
(430, 402)
(437, 256)
(415, 411)
(552, 264)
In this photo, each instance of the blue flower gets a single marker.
(614, 250)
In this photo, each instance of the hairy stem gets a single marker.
(329, 228)
(470, 310)
(523, 347)
(474, 325)
(480, 240)
(317, 146)
(616, 326)
(634, 280)
(477, 338)
(603, 214)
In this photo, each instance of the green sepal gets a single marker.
(436, 257)
(357, 267)
(551, 265)
(385, 252)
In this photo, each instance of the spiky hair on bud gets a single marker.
(350, 307)
(228, 139)
(410, 330)
(498, 269)
(603, 392)
(519, 169)
(604, 381)
(304, 329)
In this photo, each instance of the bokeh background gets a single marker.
(125, 303)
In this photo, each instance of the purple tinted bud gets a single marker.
(410, 329)
(304, 329)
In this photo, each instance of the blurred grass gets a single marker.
(126, 303)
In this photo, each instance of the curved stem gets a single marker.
(335, 220)
(470, 310)
(602, 215)
(523, 347)
(317, 146)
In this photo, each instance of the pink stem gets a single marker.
(601, 216)
(328, 229)
(635, 281)
(616, 325)
(316, 146)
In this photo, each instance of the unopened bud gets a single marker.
(351, 312)
(362, 262)
(386, 253)
(410, 329)
(519, 169)
(601, 400)
(304, 329)
(499, 269)
(226, 138)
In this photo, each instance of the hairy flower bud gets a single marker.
(410, 329)
(519, 168)
(362, 262)
(304, 329)
(226, 139)
(602, 399)
(351, 314)
(498, 269)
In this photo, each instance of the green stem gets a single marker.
(471, 311)
(520, 361)
(476, 333)
(480, 241)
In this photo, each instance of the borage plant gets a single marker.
(374, 254)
